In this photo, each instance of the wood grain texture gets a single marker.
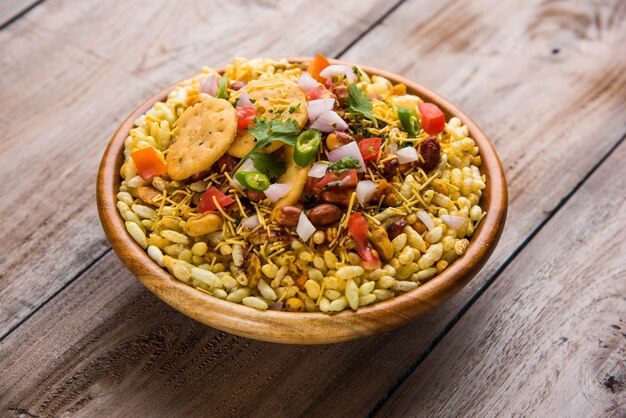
(10, 10)
(105, 344)
(72, 71)
(549, 338)
(307, 328)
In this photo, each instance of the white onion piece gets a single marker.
(318, 170)
(316, 107)
(329, 121)
(276, 191)
(393, 148)
(244, 99)
(336, 69)
(453, 221)
(251, 222)
(307, 82)
(209, 85)
(406, 155)
(305, 228)
(365, 190)
(345, 181)
(426, 219)
(245, 167)
(348, 150)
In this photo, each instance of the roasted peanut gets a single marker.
(227, 163)
(147, 193)
(324, 214)
(288, 215)
(382, 244)
(337, 139)
(337, 195)
(255, 197)
(395, 226)
(205, 224)
(430, 154)
(390, 166)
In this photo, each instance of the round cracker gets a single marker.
(265, 94)
(204, 133)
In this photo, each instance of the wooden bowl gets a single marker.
(306, 328)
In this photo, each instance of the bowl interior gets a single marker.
(306, 328)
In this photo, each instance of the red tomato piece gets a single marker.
(358, 229)
(148, 162)
(433, 119)
(207, 203)
(319, 92)
(316, 66)
(245, 116)
(370, 147)
(332, 177)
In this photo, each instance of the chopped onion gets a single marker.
(348, 150)
(305, 228)
(393, 148)
(406, 155)
(307, 82)
(336, 69)
(453, 221)
(365, 190)
(316, 107)
(209, 85)
(276, 191)
(426, 219)
(318, 170)
(251, 222)
(244, 99)
(329, 121)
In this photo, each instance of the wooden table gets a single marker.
(541, 331)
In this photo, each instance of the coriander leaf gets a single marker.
(267, 132)
(268, 164)
(284, 132)
(345, 163)
(359, 102)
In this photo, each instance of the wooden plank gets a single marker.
(549, 337)
(72, 72)
(344, 379)
(10, 10)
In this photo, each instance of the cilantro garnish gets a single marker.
(266, 132)
(346, 163)
(359, 102)
(292, 108)
(269, 164)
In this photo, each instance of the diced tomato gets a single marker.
(316, 66)
(370, 147)
(245, 115)
(331, 177)
(319, 92)
(207, 203)
(358, 229)
(148, 162)
(433, 119)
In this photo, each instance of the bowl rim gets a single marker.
(306, 327)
